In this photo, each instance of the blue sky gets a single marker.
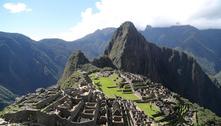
(73, 19)
(46, 16)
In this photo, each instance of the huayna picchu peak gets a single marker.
(135, 83)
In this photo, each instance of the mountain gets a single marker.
(71, 77)
(23, 66)
(58, 50)
(117, 76)
(30, 64)
(203, 45)
(129, 51)
(218, 77)
(21, 53)
(6, 97)
(75, 62)
(92, 45)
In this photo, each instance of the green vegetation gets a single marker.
(148, 108)
(89, 68)
(178, 117)
(204, 116)
(72, 81)
(9, 109)
(110, 87)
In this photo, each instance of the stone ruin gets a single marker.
(154, 93)
(87, 106)
(84, 106)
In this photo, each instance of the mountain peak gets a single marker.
(75, 62)
(127, 25)
(148, 27)
(79, 54)
(78, 59)
(126, 39)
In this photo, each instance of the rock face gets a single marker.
(203, 45)
(129, 51)
(75, 61)
(102, 62)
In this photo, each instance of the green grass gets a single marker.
(108, 86)
(73, 81)
(204, 115)
(110, 89)
(148, 108)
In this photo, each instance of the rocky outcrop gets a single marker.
(103, 62)
(75, 62)
(129, 51)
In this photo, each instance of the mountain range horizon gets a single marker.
(147, 27)
(107, 33)
(110, 63)
(184, 59)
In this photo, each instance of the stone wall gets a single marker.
(48, 100)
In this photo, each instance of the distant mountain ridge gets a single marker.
(30, 64)
(204, 45)
(47, 58)
(23, 66)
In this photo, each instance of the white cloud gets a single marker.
(111, 13)
(16, 7)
